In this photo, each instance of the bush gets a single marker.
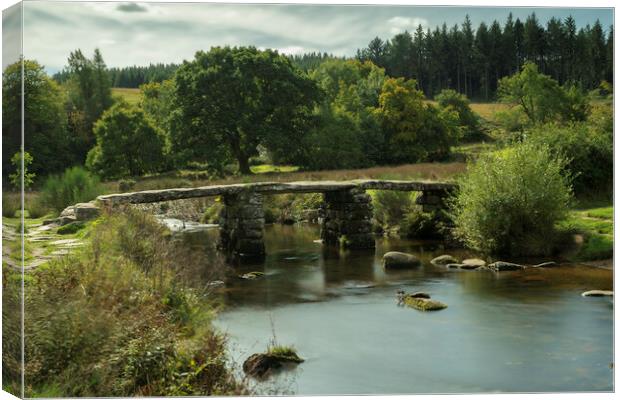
(75, 185)
(11, 203)
(390, 206)
(509, 201)
(454, 101)
(36, 207)
(418, 224)
(71, 228)
(588, 147)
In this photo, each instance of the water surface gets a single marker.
(524, 331)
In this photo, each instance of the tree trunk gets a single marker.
(244, 165)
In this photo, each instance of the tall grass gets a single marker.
(11, 203)
(118, 319)
(75, 185)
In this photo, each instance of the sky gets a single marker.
(142, 33)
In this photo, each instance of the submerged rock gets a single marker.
(546, 264)
(252, 275)
(396, 259)
(423, 304)
(597, 293)
(444, 260)
(260, 364)
(499, 266)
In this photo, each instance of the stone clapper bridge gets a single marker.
(347, 208)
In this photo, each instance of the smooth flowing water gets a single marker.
(524, 331)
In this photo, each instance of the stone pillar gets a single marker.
(347, 219)
(432, 200)
(241, 225)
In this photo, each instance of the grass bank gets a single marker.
(116, 318)
(594, 228)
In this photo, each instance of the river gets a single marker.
(523, 331)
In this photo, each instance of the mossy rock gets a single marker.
(252, 275)
(397, 259)
(260, 365)
(444, 260)
(71, 228)
(423, 304)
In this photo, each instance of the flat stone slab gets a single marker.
(597, 293)
(154, 196)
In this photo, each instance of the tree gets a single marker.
(230, 100)
(45, 122)
(413, 131)
(127, 143)
(90, 94)
(540, 97)
(468, 120)
(16, 177)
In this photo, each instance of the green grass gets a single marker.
(284, 352)
(597, 228)
(270, 168)
(131, 95)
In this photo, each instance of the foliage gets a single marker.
(413, 131)
(104, 323)
(420, 225)
(90, 94)
(541, 98)
(390, 206)
(16, 177)
(588, 147)
(454, 101)
(596, 225)
(127, 143)
(471, 60)
(71, 228)
(36, 207)
(45, 121)
(230, 100)
(75, 185)
(509, 201)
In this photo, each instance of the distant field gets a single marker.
(132, 96)
(488, 110)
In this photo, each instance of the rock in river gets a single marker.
(444, 260)
(499, 266)
(260, 364)
(423, 304)
(252, 275)
(597, 293)
(396, 259)
(473, 263)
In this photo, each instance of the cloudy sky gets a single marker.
(141, 33)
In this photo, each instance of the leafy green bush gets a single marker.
(71, 228)
(455, 101)
(509, 201)
(420, 225)
(390, 206)
(212, 213)
(588, 147)
(75, 185)
(36, 207)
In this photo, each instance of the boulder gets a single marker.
(499, 266)
(396, 259)
(260, 364)
(473, 263)
(423, 304)
(252, 275)
(420, 295)
(470, 266)
(597, 293)
(86, 211)
(454, 266)
(444, 260)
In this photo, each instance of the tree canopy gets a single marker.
(231, 100)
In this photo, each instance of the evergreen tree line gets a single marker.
(472, 61)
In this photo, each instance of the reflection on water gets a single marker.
(518, 331)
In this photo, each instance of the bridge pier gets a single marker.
(241, 225)
(347, 219)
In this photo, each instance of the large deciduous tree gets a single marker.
(231, 100)
(45, 121)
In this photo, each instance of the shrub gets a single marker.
(11, 203)
(71, 228)
(455, 101)
(509, 201)
(36, 207)
(588, 147)
(390, 206)
(420, 225)
(75, 185)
